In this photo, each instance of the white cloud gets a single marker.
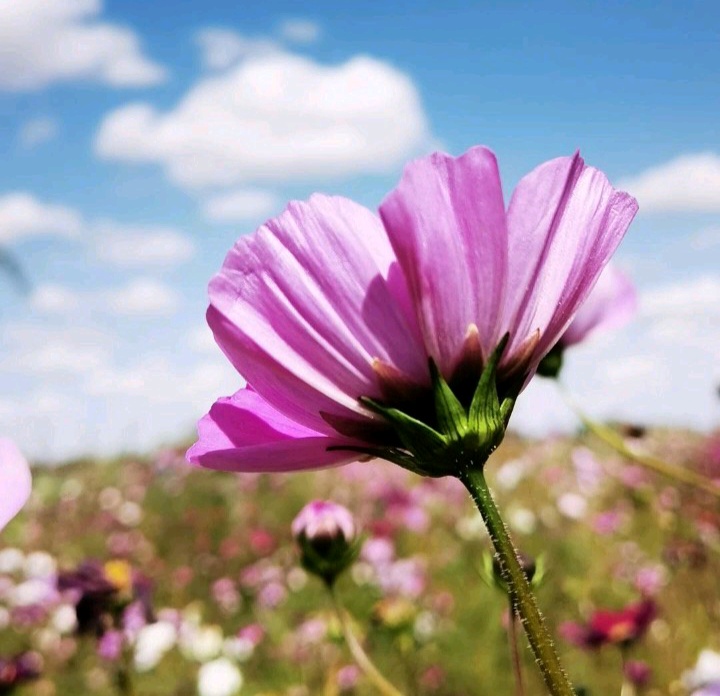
(706, 238)
(143, 297)
(301, 31)
(37, 131)
(239, 205)
(223, 48)
(22, 215)
(686, 183)
(154, 379)
(135, 246)
(62, 356)
(54, 299)
(276, 117)
(47, 41)
(694, 296)
(201, 340)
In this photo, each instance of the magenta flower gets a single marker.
(607, 627)
(15, 480)
(611, 304)
(368, 336)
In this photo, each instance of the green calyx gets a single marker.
(328, 557)
(552, 363)
(462, 438)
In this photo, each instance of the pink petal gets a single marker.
(565, 220)
(304, 306)
(15, 481)
(446, 222)
(245, 433)
(610, 305)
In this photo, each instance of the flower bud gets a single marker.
(327, 537)
(534, 570)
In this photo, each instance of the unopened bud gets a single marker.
(327, 537)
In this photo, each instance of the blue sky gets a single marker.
(133, 156)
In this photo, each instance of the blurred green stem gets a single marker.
(359, 655)
(515, 651)
(521, 594)
(659, 466)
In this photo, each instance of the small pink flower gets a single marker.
(324, 519)
(332, 313)
(15, 481)
(610, 305)
(348, 677)
(110, 645)
(326, 535)
(637, 672)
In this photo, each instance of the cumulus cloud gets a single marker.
(240, 205)
(54, 299)
(201, 340)
(694, 296)
(706, 238)
(276, 117)
(47, 41)
(300, 31)
(221, 48)
(687, 183)
(23, 215)
(135, 246)
(143, 297)
(62, 356)
(37, 131)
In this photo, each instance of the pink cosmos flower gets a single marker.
(607, 627)
(329, 306)
(324, 520)
(15, 481)
(610, 305)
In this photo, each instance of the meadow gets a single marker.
(210, 557)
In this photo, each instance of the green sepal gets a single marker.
(485, 406)
(451, 416)
(328, 558)
(552, 363)
(415, 435)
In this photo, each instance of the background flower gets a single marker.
(15, 481)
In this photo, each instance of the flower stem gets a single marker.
(515, 652)
(123, 676)
(359, 655)
(659, 466)
(521, 594)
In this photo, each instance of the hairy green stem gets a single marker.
(521, 594)
(515, 652)
(659, 466)
(356, 650)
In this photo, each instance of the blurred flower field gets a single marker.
(146, 576)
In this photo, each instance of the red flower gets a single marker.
(607, 627)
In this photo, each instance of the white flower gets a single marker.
(40, 564)
(220, 677)
(11, 560)
(64, 619)
(152, 642)
(238, 648)
(706, 671)
(572, 505)
(31, 592)
(201, 643)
